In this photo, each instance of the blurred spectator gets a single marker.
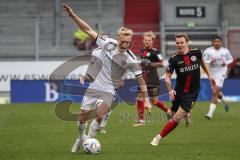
(235, 69)
(82, 41)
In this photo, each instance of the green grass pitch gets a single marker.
(33, 132)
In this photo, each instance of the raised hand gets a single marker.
(68, 10)
(172, 94)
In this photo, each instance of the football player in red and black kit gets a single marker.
(186, 63)
(151, 59)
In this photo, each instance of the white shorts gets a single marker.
(93, 97)
(219, 79)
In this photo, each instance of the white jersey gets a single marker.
(114, 65)
(217, 70)
(221, 56)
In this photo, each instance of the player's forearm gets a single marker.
(229, 61)
(156, 64)
(168, 83)
(84, 26)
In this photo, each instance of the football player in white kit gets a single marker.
(217, 58)
(114, 59)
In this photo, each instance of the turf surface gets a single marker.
(32, 131)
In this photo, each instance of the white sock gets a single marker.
(105, 119)
(81, 130)
(211, 110)
(158, 137)
(93, 128)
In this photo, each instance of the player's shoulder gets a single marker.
(155, 50)
(224, 49)
(107, 39)
(174, 55)
(209, 49)
(195, 50)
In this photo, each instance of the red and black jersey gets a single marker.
(187, 68)
(150, 73)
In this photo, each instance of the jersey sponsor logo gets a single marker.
(148, 54)
(193, 58)
(189, 68)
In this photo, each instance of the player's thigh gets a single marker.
(176, 103)
(104, 104)
(187, 102)
(89, 102)
(179, 115)
(219, 79)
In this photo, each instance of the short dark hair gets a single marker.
(180, 35)
(217, 37)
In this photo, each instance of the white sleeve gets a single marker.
(228, 57)
(206, 56)
(134, 64)
(107, 44)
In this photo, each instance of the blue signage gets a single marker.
(38, 91)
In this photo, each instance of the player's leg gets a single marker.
(170, 125)
(222, 99)
(155, 101)
(87, 112)
(140, 110)
(103, 106)
(104, 122)
(82, 125)
(102, 109)
(214, 101)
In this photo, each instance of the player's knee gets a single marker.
(215, 92)
(153, 101)
(83, 117)
(99, 119)
(178, 117)
(220, 95)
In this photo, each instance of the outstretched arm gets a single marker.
(81, 24)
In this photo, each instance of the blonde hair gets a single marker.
(123, 31)
(184, 35)
(149, 34)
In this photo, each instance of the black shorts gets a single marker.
(185, 100)
(153, 91)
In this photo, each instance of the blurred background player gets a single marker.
(82, 40)
(151, 59)
(217, 58)
(115, 58)
(186, 63)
